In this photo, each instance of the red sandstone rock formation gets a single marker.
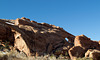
(31, 37)
(42, 35)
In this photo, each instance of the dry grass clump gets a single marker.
(15, 55)
(84, 58)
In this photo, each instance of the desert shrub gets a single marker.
(84, 58)
(15, 55)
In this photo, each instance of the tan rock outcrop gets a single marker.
(93, 53)
(86, 43)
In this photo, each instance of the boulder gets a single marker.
(76, 52)
(86, 42)
(93, 53)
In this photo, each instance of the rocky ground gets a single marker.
(22, 39)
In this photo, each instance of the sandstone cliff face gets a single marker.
(31, 37)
